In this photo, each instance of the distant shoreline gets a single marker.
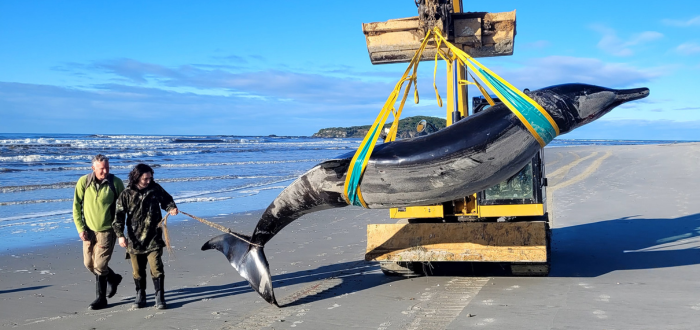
(215, 138)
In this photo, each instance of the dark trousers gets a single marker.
(154, 260)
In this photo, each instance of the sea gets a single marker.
(208, 175)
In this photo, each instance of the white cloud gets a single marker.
(201, 99)
(129, 109)
(688, 48)
(330, 86)
(695, 21)
(612, 44)
(554, 70)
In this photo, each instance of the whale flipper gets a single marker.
(249, 260)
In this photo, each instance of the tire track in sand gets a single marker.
(562, 171)
(299, 302)
(439, 307)
(565, 169)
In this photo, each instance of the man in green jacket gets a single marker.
(94, 207)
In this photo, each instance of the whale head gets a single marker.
(574, 105)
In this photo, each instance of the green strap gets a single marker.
(356, 172)
(533, 116)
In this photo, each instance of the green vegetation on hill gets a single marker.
(407, 128)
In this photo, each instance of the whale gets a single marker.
(471, 155)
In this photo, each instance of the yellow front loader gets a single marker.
(506, 223)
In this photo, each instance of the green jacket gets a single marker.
(139, 210)
(93, 206)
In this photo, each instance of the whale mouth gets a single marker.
(626, 95)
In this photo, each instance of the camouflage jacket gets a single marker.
(140, 209)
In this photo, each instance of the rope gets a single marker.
(164, 224)
(222, 228)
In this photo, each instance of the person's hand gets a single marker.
(173, 211)
(122, 242)
(84, 236)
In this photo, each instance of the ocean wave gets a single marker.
(170, 138)
(216, 177)
(262, 189)
(36, 215)
(121, 167)
(247, 193)
(192, 197)
(29, 141)
(36, 201)
(258, 162)
(87, 158)
(152, 153)
(224, 190)
(71, 184)
(87, 144)
(261, 162)
(58, 185)
(200, 200)
(35, 146)
(40, 158)
(83, 143)
(188, 140)
(121, 137)
(36, 223)
(31, 151)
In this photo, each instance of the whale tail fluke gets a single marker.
(249, 260)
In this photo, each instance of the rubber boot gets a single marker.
(140, 300)
(158, 283)
(101, 293)
(113, 280)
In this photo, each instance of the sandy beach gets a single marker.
(624, 256)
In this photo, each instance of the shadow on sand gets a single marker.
(594, 249)
(587, 250)
(348, 277)
(24, 289)
(598, 248)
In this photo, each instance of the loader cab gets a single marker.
(479, 103)
(522, 195)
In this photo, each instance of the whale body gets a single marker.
(469, 156)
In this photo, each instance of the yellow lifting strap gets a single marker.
(359, 161)
(537, 121)
(481, 89)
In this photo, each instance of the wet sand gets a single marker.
(624, 256)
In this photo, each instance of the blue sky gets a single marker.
(294, 67)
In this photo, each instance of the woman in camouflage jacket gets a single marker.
(139, 207)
